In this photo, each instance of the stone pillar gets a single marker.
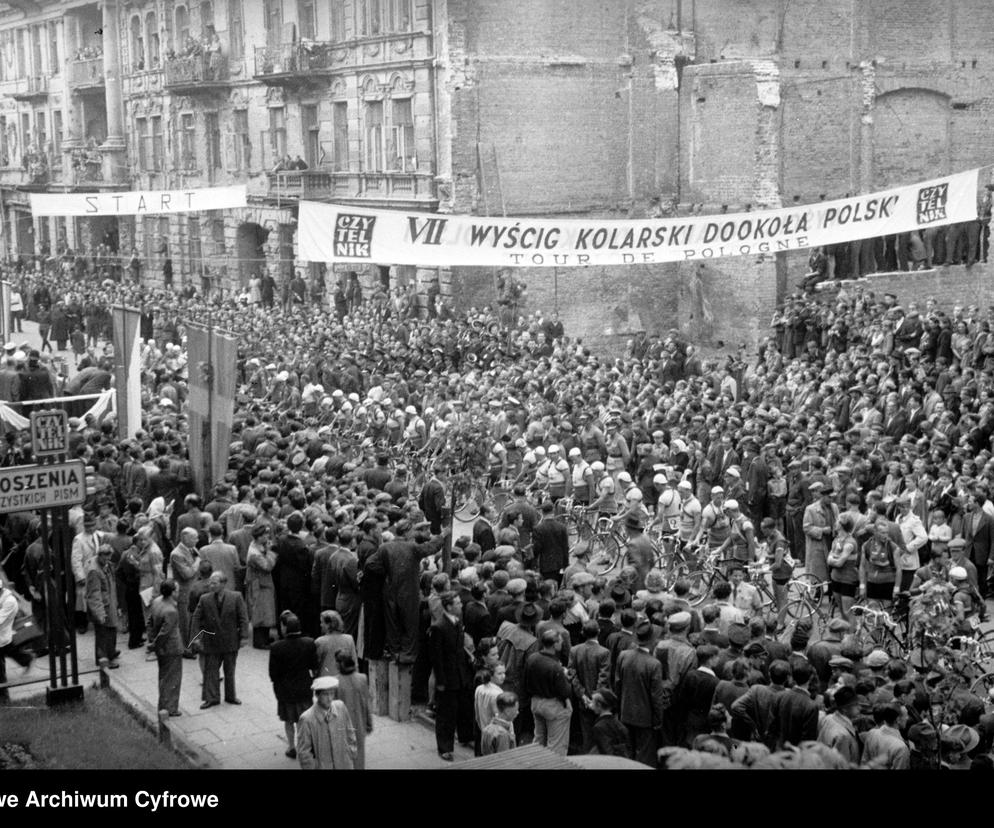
(113, 148)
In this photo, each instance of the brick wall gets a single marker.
(950, 286)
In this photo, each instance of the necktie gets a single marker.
(735, 593)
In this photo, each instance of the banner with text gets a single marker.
(138, 202)
(339, 233)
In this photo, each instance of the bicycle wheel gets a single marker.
(806, 585)
(985, 651)
(701, 582)
(983, 686)
(605, 554)
(799, 612)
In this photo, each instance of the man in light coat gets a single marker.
(837, 729)
(183, 563)
(101, 602)
(167, 638)
(326, 737)
(819, 524)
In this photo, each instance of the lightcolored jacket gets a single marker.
(326, 739)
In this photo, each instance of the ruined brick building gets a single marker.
(598, 108)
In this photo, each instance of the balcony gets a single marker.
(319, 185)
(86, 74)
(31, 88)
(295, 184)
(292, 63)
(196, 73)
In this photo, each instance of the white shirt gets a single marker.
(8, 613)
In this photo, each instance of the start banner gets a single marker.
(138, 202)
(339, 233)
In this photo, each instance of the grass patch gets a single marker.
(98, 733)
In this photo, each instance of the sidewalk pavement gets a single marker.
(249, 736)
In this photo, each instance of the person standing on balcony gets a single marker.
(298, 164)
(213, 51)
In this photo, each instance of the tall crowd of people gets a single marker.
(855, 447)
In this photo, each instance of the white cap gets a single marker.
(731, 505)
(597, 466)
(539, 451)
(634, 495)
(685, 484)
(607, 485)
(958, 573)
(324, 683)
(624, 477)
(659, 480)
(411, 410)
(575, 452)
(717, 490)
(554, 449)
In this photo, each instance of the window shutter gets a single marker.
(230, 153)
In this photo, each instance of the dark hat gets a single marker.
(529, 614)
(754, 649)
(621, 596)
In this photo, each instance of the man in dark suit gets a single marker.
(757, 474)
(453, 678)
(895, 420)
(432, 503)
(550, 545)
(978, 532)
(793, 713)
(589, 671)
(343, 575)
(223, 618)
(697, 692)
(722, 459)
(640, 688)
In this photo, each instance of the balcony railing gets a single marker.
(86, 74)
(203, 71)
(318, 184)
(35, 86)
(291, 59)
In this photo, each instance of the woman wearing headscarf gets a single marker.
(291, 665)
(353, 689)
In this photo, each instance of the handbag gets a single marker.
(26, 629)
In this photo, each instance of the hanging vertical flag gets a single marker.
(198, 405)
(127, 370)
(224, 353)
(211, 356)
(6, 288)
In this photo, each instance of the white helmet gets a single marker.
(634, 495)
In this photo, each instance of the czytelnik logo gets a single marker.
(932, 203)
(354, 235)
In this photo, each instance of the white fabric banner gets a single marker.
(339, 233)
(138, 202)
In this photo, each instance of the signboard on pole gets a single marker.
(49, 433)
(55, 486)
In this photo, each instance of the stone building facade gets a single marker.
(518, 107)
